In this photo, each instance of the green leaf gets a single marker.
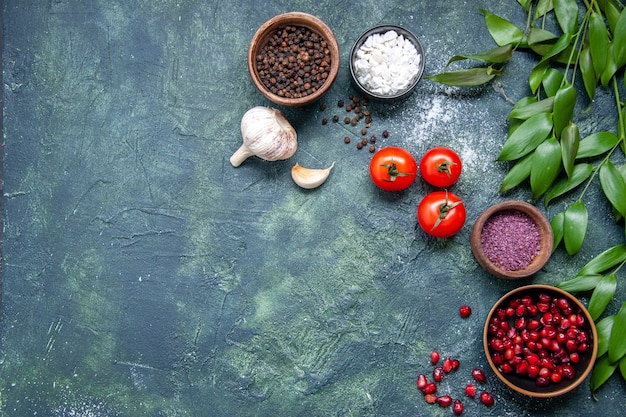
(598, 42)
(558, 47)
(622, 367)
(613, 186)
(496, 55)
(579, 174)
(563, 112)
(611, 12)
(602, 296)
(557, 229)
(502, 31)
(525, 4)
(465, 77)
(536, 75)
(543, 8)
(567, 15)
(617, 342)
(545, 167)
(590, 79)
(575, 227)
(619, 40)
(541, 40)
(570, 139)
(596, 144)
(602, 371)
(526, 137)
(580, 283)
(606, 260)
(518, 173)
(610, 69)
(529, 110)
(552, 80)
(603, 328)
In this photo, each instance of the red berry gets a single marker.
(457, 407)
(430, 398)
(434, 357)
(430, 388)
(465, 311)
(438, 374)
(479, 375)
(486, 399)
(455, 364)
(421, 381)
(470, 390)
(447, 365)
(444, 400)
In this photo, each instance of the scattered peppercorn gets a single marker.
(340, 103)
(354, 121)
(357, 109)
(323, 106)
(373, 139)
(346, 139)
(364, 131)
(359, 145)
(324, 121)
(372, 148)
(364, 141)
(349, 107)
(385, 134)
(335, 118)
(346, 120)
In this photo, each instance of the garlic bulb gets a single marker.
(266, 134)
(310, 178)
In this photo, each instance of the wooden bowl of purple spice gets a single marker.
(512, 239)
(293, 58)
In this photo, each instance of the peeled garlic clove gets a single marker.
(267, 134)
(310, 178)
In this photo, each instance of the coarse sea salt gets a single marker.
(386, 64)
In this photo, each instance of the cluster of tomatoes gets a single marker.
(439, 213)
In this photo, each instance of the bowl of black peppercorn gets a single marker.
(293, 58)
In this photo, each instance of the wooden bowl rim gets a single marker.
(545, 232)
(299, 19)
(579, 378)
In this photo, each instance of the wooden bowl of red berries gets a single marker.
(293, 58)
(512, 239)
(540, 341)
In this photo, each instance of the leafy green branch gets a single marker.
(544, 146)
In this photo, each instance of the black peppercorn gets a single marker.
(323, 106)
(324, 121)
(385, 134)
(373, 139)
(372, 148)
(335, 118)
(364, 131)
(340, 103)
(346, 120)
(346, 139)
(359, 145)
(349, 107)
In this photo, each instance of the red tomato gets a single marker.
(441, 214)
(393, 169)
(441, 167)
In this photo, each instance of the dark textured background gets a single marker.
(143, 275)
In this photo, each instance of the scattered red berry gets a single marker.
(457, 407)
(421, 382)
(486, 399)
(447, 365)
(465, 311)
(438, 374)
(434, 357)
(430, 388)
(430, 398)
(444, 400)
(479, 375)
(455, 364)
(470, 390)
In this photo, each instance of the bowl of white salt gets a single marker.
(387, 62)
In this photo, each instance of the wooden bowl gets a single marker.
(523, 383)
(264, 34)
(496, 268)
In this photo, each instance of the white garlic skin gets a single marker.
(267, 134)
(308, 177)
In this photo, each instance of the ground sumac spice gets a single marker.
(511, 240)
(294, 63)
